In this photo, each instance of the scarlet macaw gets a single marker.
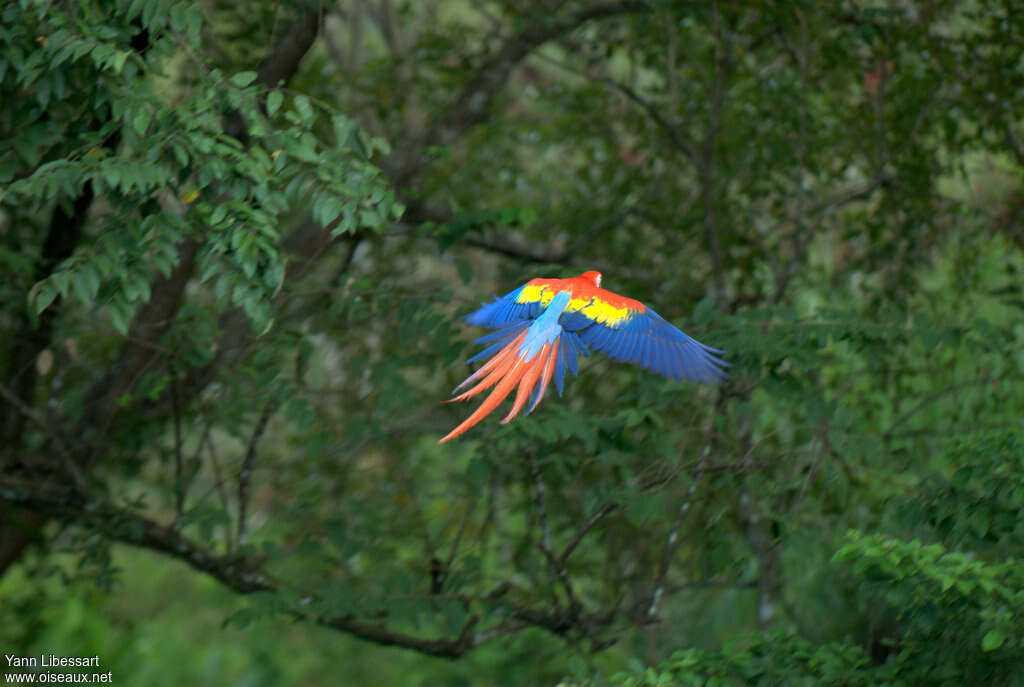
(544, 323)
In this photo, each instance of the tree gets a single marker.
(239, 240)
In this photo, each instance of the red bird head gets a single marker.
(592, 276)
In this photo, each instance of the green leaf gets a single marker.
(45, 295)
(194, 23)
(178, 16)
(86, 283)
(119, 59)
(274, 99)
(370, 218)
(136, 287)
(992, 640)
(527, 216)
(243, 79)
(303, 107)
(120, 312)
(326, 208)
(141, 121)
(218, 214)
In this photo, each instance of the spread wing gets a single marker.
(543, 326)
(515, 307)
(627, 330)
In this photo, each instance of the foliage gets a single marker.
(238, 239)
(168, 165)
(942, 597)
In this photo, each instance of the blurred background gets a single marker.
(237, 240)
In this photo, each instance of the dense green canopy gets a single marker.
(237, 239)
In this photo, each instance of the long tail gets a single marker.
(504, 371)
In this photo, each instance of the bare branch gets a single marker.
(937, 396)
(587, 526)
(219, 483)
(671, 541)
(1014, 142)
(179, 471)
(244, 575)
(698, 468)
(458, 535)
(130, 527)
(555, 565)
(473, 104)
(509, 245)
(539, 503)
(33, 336)
(67, 459)
(246, 472)
(150, 324)
(676, 136)
(706, 162)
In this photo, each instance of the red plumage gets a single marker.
(544, 324)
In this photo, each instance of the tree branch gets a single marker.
(62, 236)
(604, 510)
(473, 104)
(555, 565)
(246, 472)
(244, 575)
(153, 319)
(672, 540)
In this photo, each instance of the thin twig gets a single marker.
(219, 484)
(675, 134)
(587, 526)
(709, 584)
(179, 470)
(707, 161)
(937, 396)
(495, 632)
(65, 454)
(610, 507)
(458, 535)
(246, 471)
(671, 541)
(539, 501)
(555, 565)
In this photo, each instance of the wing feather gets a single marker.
(646, 339)
(544, 325)
(560, 356)
(504, 311)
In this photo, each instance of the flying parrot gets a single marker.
(544, 324)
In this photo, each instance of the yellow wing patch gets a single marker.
(599, 311)
(592, 308)
(534, 293)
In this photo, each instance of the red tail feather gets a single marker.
(549, 368)
(495, 368)
(504, 371)
(503, 389)
(528, 382)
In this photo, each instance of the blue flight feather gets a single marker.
(652, 342)
(503, 311)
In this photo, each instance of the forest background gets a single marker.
(236, 240)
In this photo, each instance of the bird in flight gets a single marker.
(544, 324)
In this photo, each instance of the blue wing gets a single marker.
(504, 311)
(643, 338)
(648, 340)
